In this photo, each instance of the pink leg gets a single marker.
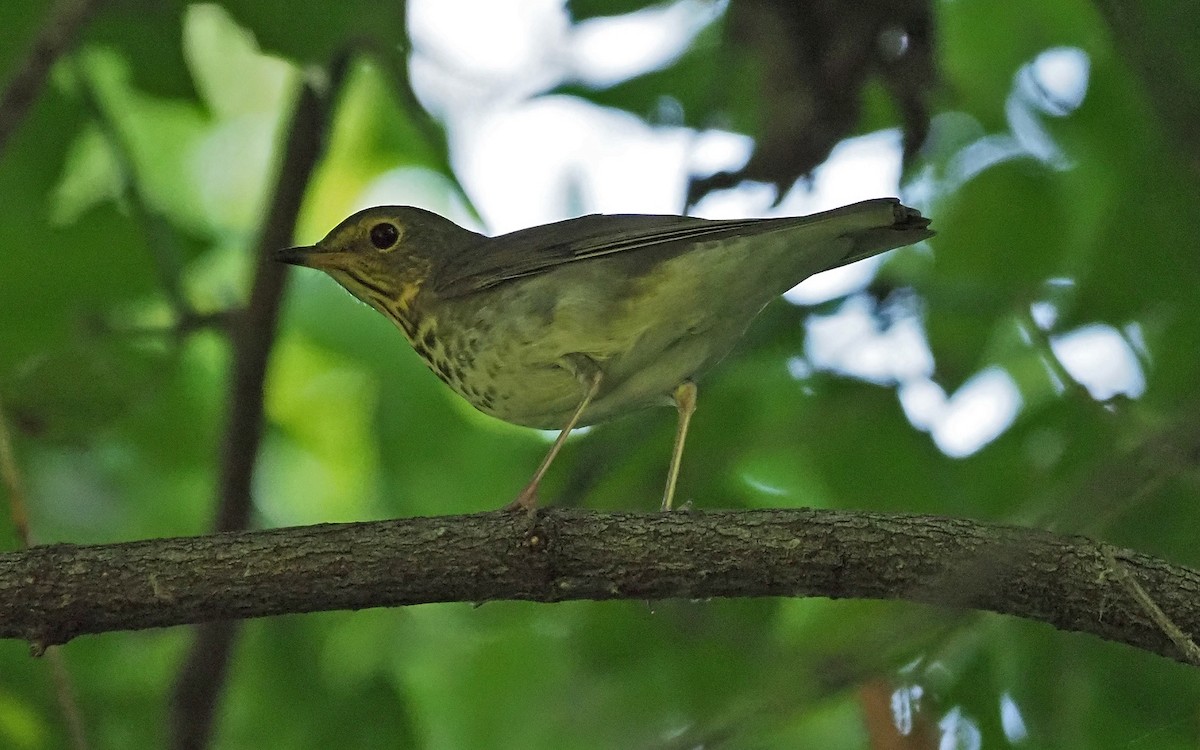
(685, 402)
(527, 500)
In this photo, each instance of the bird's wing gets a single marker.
(536, 250)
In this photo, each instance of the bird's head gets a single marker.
(383, 255)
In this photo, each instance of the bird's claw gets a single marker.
(526, 501)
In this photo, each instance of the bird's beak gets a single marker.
(304, 255)
(313, 256)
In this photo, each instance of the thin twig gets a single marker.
(10, 474)
(221, 321)
(1181, 639)
(204, 670)
(1041, 341)
(64, 691)
(56, 36)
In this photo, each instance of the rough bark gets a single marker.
(50, 594)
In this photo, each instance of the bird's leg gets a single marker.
(685, 402)
(527, 500)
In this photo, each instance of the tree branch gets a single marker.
(64, 20)
(53, 593)
(204, 669)
(255, 330)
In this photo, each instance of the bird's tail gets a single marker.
(879, 225)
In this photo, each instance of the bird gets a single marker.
(584, 320)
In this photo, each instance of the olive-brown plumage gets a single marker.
(587, 319)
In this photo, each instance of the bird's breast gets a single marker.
(519, 352)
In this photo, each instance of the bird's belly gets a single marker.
(542, 392)
(646, 333)
(546, 398)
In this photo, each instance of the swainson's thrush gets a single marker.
(587, 319)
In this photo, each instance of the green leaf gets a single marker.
(707, 87)
(582, 10)
(149, 36)
(316, 33)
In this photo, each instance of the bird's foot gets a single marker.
(666, 507)
(526, 501)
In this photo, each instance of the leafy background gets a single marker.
(134, 190)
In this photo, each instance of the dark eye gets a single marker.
(384, 235)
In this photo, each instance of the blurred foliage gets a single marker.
(794, 75)
(133, 191)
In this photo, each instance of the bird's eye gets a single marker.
(384, 235)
